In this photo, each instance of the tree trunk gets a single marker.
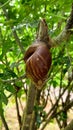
(28, 113)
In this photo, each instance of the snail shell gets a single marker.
(38, 61)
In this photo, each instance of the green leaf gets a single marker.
(6, 46)
(3, 98)
(10, 88)
(54, 82)
(10, 73)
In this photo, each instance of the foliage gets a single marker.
(18, 26)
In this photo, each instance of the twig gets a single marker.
(18, 41)
(4, 121)
(65, 34)
(14, 32)
(69, 127)
(54, 114)
(13, 80)
(21, 104)
(5, 4)
(53, 109)
(18, 113)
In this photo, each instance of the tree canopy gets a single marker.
(19, 20)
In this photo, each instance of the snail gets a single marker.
(38, 62)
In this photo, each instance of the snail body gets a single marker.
(38, 61)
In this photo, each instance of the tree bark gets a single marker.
(28, 113)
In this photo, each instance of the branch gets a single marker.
(4, 122)
(55, 113)
(14, 79)
(5, 4)
(69, 24)
(52, 113)
(18, 112)
(18, 41)
(65, 34)
(69, 127)
(14, 32)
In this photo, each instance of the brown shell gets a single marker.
(38, 63)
